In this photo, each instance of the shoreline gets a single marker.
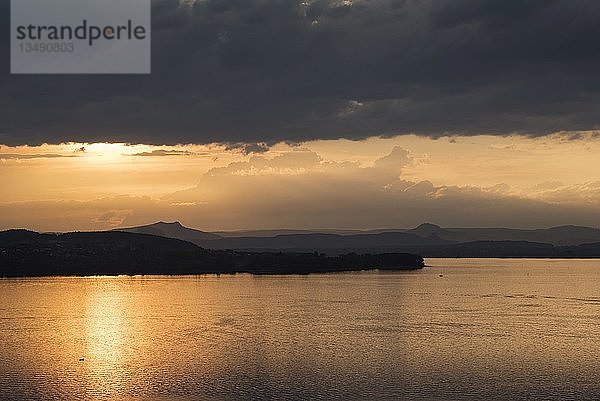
(200, 274)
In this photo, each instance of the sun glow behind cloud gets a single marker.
(311, 184)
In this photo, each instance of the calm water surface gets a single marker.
(465, 329)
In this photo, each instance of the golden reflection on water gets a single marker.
(105, 334)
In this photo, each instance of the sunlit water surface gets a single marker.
(463, 329)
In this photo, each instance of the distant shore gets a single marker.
(30, 254)
(26, 253)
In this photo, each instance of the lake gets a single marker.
(463, 329)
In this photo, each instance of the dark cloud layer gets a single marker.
(270, 70)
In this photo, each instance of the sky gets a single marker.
(396, 182)
(318, 114)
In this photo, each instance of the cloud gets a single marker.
(62, 215)
(301, 189)
(112, 218)
(264, 71)
(164, 152)
(586, 193)
(285, 164)
(248, 148)
(18, 156)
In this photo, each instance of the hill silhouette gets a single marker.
(27, 253)
(173, 230)
(427, 239)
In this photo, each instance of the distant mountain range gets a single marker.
(426, 239)
(562, 235)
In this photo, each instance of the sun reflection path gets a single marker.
(105, 337)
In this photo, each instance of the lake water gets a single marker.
(467, 329)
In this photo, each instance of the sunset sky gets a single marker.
(373, 183)
(318, 114)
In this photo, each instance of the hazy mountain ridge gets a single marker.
(561, 235)
(426, 237)
(314, 242)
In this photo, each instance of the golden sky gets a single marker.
(379, 182)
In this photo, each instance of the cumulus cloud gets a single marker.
(586, 193)
(299, 188)
(263, 71)
(112, 218)
(164, 152)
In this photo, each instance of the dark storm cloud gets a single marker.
(257, 71)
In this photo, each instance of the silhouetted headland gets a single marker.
(26, 253)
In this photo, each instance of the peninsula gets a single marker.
(26, 253)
